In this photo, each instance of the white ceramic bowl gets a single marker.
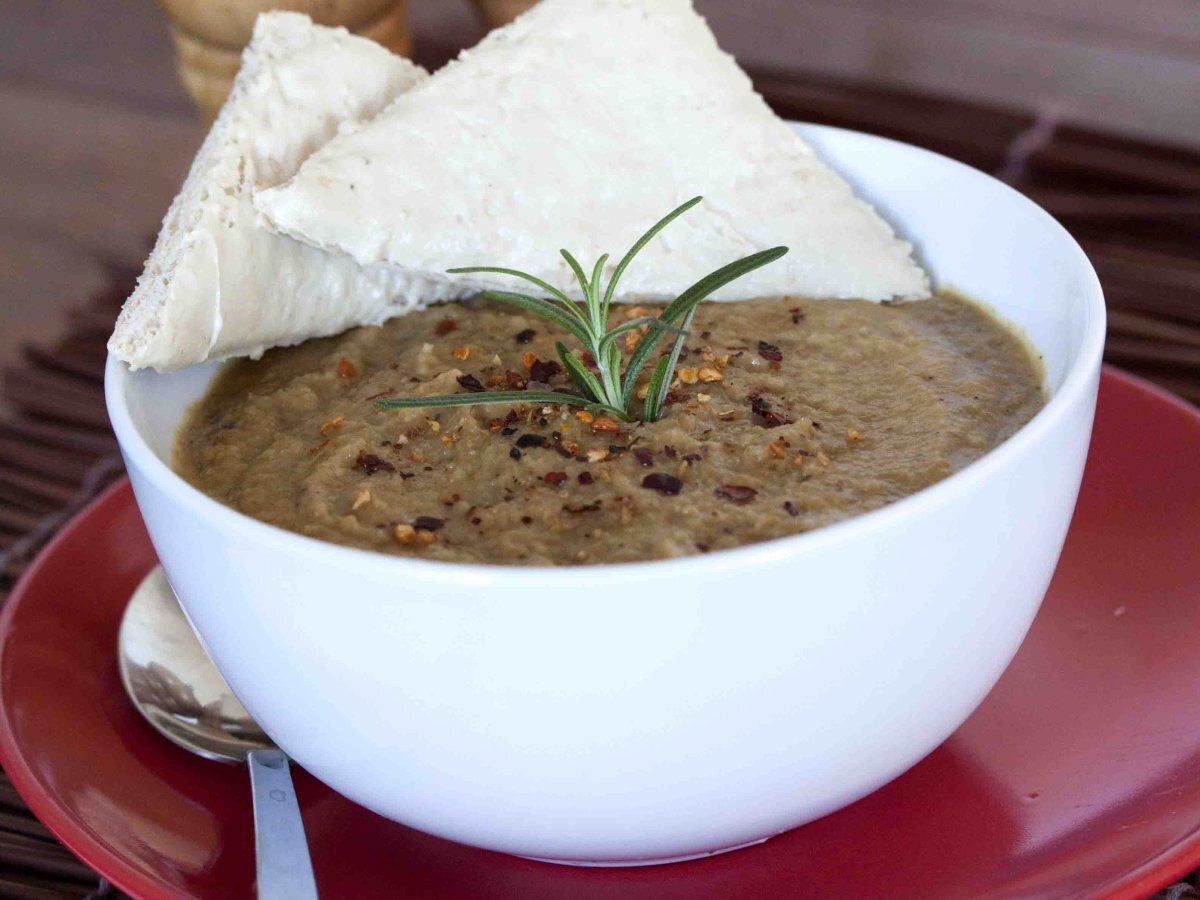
(651, 711)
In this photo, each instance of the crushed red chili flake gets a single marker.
(319, 447)
(346, 368)
(816, 425)
(386, 393)
(444, 327)
(644, 457)
(663, 483)
(670, 451)
(769, 351)
(674, 397)
(774, 366)
(469, 383)
(514, 380)
(692, 457)
(703, 548)
(738, 494)
(524, 337)
(544, 370)
(495, 425)
(531, 440)
(370, 463)
(428, 523)
(555, 478)
(606, 423)
(583, 508)
(761, 410)
(705, 335)
(565, 446)
(586, 478)
(790, 508)
(588, 359)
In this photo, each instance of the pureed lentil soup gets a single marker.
(786, 415)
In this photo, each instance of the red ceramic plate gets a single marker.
(1079, 775)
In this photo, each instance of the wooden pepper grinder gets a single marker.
(209, 36)
(500, 12)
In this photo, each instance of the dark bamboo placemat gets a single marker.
(1135, 207)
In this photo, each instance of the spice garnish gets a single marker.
(370, 463)
(738, 494)
(611, 388)
(791, 508)
(444, 327)
(469, 383)
(769, 351)
(663, 483)
(524, 337)
(428, 523)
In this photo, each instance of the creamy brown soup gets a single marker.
(786, 415)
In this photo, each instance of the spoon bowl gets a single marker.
(177, 689)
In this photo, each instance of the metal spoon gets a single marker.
(178, 690)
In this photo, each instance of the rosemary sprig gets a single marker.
(610, 388)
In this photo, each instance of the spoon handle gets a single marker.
(281, 849)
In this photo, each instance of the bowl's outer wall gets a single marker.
(661, 710)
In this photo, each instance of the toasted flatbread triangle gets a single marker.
(218, 282)
(578, 126)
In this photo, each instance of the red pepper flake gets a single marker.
(774, 366)
(495, 425)
(670, 451)
(586, 478)
(469, 383)
(543, 371)
(531, 440)
(644, 457)
(386, 393)
(762, 411)
(587, 359)
(528, 358)
(790, 508)
(674, 397)
(565, 446)
(370, 463)
(321, 446)
(606, 423)
(705, 335)
(703, 548)
(444, 327)
(346, 368)
(769, 351)
(331, 424)
(738, 494)
(692, 457)
(663, 483)
(583, 508)
(514, 381)
(428, 523)
(555, 478)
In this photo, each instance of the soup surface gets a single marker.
(785, 415)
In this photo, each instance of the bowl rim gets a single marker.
(1076, 384)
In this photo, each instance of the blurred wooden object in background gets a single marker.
(500, 12)
(209, 36)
